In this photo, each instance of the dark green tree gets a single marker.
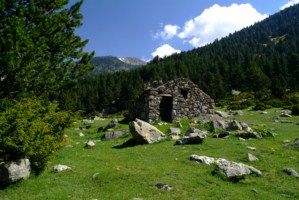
(39, 51)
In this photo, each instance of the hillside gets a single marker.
(110, 64)
(262, 59)
(114, 171)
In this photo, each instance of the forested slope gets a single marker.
(261, 58)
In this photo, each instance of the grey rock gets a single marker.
(285, 115)
(238, 113)
(193, 138)
(291, 172)
(90, 144)
(286, 121)
(144, 133)
(227, 170)
(195, 130)
(113, 124)
(234, 126)
(81, 134)
(247, 135)
(174, 131)
(251, 148)
(221, 114)
(224, 134)
(115, 134)
(295, 145)
(14, 171)
(163, 186)
(219, 124)
(251, 157)
(60, 168)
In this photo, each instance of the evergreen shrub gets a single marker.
(30, 129)
(295, 109)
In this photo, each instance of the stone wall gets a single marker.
(186, 98)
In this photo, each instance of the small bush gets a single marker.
(30, 129)
(276, 103)
(236, 106)
(261, 106)
(295, 110)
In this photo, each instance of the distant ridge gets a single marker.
(110, 64)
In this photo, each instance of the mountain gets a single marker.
(110, 64)
(262, 60)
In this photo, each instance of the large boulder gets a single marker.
(144, 133)
(193, 138)
(14, 171)
(227, 170)
(115, 134)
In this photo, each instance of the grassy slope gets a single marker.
(131, 172)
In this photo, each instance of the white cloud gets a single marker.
(165, 50)
(290, 3)
(168, 32)
(217, 22)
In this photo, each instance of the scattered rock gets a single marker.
(251, 148)
(193, 138)
(90, 144)
(285, 115)
(286, 121)
(238, 113)
(242, 139)
(81, 134)
(251, 157)
(291, 172)
(115, 134)
(163, 186)
(219, 124)
(221, 114)
(227, 170)
(175, 137)
(224, 134)
(174, 131)
(295, 145)
(234, 126)
(143, 132)
(286, 141)
(288, 112)
(98, 118)
(248, 135)
(60, 168)
(192, 130)
(263, 112)
(14, 171)
(113, 124)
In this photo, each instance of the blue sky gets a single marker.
(146, 28)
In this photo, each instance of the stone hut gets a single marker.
(171, 101)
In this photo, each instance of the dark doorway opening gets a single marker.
(166, 108)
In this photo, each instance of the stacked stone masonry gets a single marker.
(171, 101)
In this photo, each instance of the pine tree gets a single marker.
(39, 51)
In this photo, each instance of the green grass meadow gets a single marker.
(112, 170)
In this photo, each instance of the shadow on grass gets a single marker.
(128, 143)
